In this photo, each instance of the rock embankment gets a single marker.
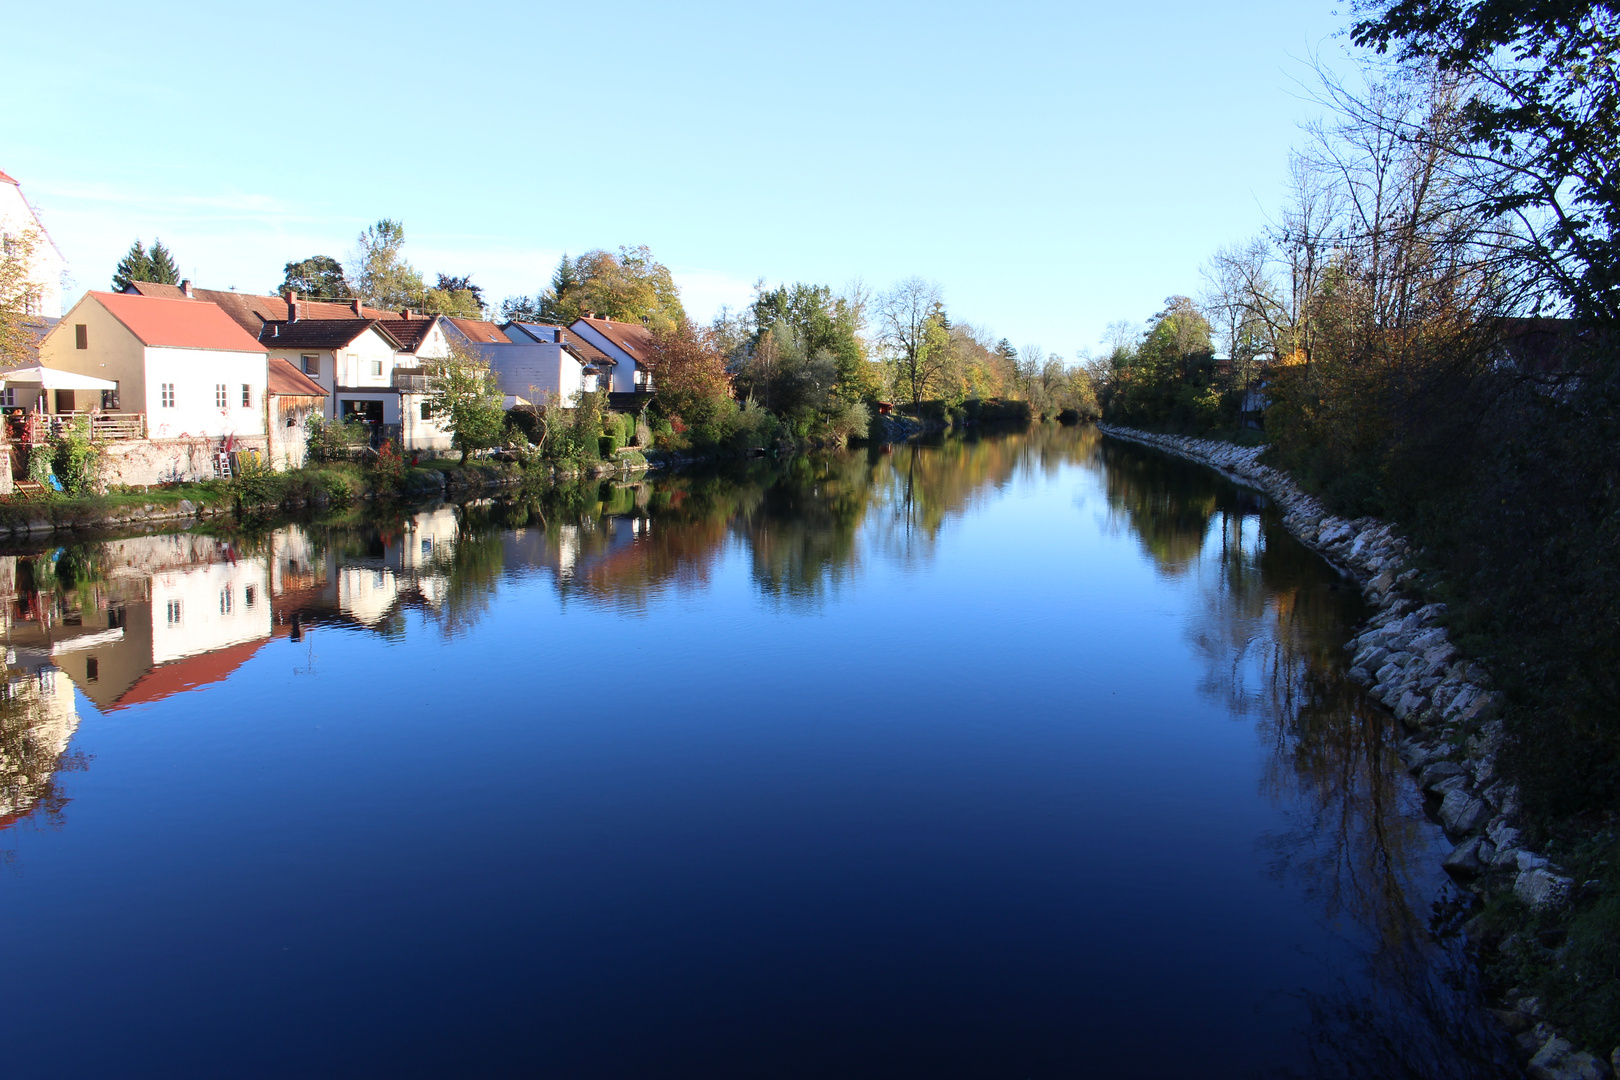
(1406, 659)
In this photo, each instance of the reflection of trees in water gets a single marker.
(37, 722)
(1166, 503)
(1269, 633)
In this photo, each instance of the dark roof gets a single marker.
(288, 381)
(409, 332)
(319, 333)
(251, 310)
(585, 352)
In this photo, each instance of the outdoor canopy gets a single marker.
(52, 379)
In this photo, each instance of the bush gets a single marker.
(39, 465)
(77, 461)
(330, 440)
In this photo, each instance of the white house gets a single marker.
(628, 345)
(186, 366)
(366, 371)
(533, 360)
(47, 266)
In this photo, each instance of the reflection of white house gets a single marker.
(36, 703)
(47, 267)
(182, 610)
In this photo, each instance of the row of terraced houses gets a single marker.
(172, 376)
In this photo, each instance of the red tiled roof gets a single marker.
(587, 353)
(177, 324)
(6, 179)
(188, 674)
(480, 331)
(288, 381)
(633, 338)
(252, 310)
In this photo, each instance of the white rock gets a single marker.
(1460, 812)
(1540, 888)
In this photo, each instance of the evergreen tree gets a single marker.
(164, 271)
(136, 265)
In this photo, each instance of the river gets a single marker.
(1022, 755)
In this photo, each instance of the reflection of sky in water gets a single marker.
(1015, 755)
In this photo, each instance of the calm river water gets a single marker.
(1021, 756)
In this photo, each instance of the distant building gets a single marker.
(17, 219)
(628, 345)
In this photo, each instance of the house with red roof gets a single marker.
(185, 368)
(628, 345)
(19, 223)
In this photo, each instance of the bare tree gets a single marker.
(905, 315)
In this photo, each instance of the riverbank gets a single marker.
(1408, 662)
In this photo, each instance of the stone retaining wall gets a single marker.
(144, 462)
(1405, 658)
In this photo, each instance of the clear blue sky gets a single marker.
(1054, 167)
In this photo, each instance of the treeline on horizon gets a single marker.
(801, 361)
(1427, 332)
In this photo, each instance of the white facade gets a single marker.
(48, 267)
(206, 608)
(628, 376)
(191, 392)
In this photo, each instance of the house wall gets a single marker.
(622, 380)
(195, 374)
(415, 433)
(355, 362)
(530, 371)
(112, 351)
(214, 607)
(288, 437)
(46, 266)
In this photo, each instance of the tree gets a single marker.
(455, 296)
(906, 315)
(1542, 91)
(629, 286)
(19, 294)
(466, 398)
(163, 268)
(381, 275)
(689, 371)
(319, 277)
(822, 323)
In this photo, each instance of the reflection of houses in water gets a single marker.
(168, 613)
(37, 720)
(397, 568)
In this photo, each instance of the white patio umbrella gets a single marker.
(52, 379)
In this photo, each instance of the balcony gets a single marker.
(33, 428)
(412, 382)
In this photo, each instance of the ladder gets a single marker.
(222, 465)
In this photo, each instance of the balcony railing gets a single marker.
(32, 428)
(412, 382)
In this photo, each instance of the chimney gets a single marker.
(292, 305)
(406, 312)
(558, 332)
(355, 303)
(185, 287)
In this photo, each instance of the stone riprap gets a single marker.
(1406, 660)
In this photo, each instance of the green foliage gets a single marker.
(139, 264)
(19, 298)
(331, 440)
(40, 464)
(318, 277)
(628, 286)
(821, 325)
(456, 296)
(75, 458)
(381, 275)
(466, 398)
